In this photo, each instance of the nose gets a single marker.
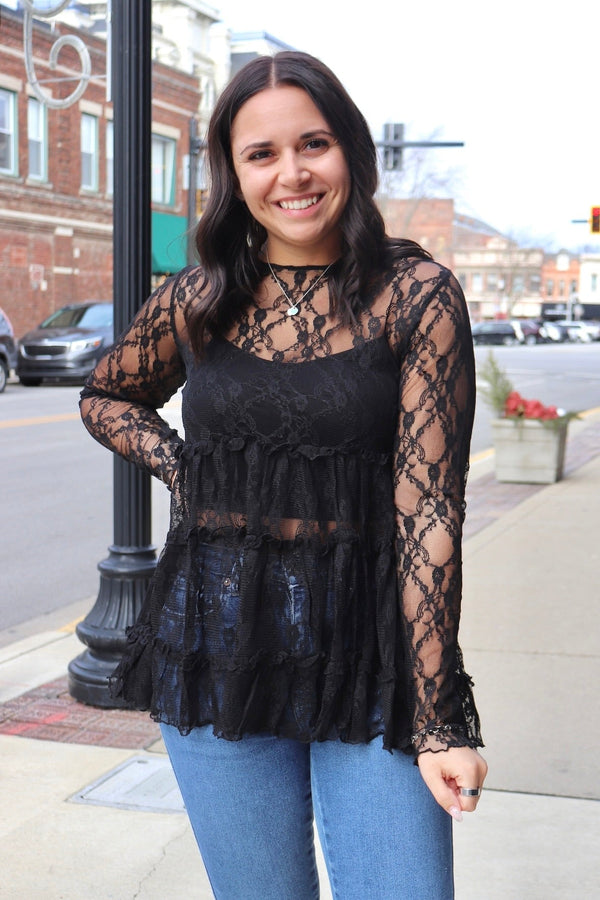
(293, 171)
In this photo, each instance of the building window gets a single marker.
(8, 132)
(163, 170)
(594, 282)
(535, 284)
(550, 288)
(561, 288)
(476, 282)
(492, 281)
(89, 152)
(36, 136)
(110, 158)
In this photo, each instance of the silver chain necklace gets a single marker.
(294, 308)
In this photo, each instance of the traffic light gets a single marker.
(392, 156)
(595, 220)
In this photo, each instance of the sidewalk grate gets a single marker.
(142, 783)
(49, 713)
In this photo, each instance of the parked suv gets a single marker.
(67, 345)
(8, 349)
(498, 332)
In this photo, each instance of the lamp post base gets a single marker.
(124, 580)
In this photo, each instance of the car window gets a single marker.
(98, 316)
(5, 326)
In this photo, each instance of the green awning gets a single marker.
(169, 243)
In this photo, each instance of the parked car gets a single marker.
(578, 331)
(498, 332)
(557, 332)
(8, 349)
(67, 345)
(593, 328)
(533, 332)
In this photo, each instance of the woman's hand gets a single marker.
(446, 772)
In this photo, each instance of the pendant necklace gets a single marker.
(294, 307)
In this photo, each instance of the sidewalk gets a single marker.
(91, 810)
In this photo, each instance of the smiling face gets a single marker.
(292, 175)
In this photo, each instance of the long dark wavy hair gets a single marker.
(229, 239)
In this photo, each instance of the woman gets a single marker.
(303, 616)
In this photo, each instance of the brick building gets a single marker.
(429, 222)
(499, 277)
(56, 174)
(560, 285)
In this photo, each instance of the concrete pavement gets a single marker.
(80, 821)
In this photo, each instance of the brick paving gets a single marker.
(49, 713)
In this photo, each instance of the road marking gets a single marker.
(70, 627)
(483, 454)
(40, 420)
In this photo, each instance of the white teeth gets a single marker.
(299, 204)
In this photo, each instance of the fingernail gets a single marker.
(456, 813)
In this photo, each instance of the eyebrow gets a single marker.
(264, 145)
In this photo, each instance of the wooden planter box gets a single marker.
(528, 452)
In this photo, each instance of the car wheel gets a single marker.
(509, 341)
(3, 375)
(29, 382)
(530, 340)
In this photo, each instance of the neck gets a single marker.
(302, 257)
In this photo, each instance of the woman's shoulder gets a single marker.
(420, 269)
(184, 286)
(420, 278)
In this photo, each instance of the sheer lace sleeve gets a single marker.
(429, 328)
(137, 376)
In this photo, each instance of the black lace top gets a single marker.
(310, 584)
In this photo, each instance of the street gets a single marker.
(57, 482)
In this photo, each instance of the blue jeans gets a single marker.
(251, 804)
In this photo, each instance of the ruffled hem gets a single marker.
(310, 699)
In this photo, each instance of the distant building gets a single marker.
(560, 285)
(589, 287)
(499, 278)
(247, 45)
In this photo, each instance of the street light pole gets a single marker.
(125, 574)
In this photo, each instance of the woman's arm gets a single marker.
(428, 319)
(136, 377)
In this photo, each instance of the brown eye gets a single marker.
(259, 155)
(317, 145)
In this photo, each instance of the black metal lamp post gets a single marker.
(125, 574)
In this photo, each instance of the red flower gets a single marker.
(517, 406)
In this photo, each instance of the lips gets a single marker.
(300, 203)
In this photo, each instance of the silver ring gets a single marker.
(470, 792)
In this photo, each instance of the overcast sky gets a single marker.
(518, 81)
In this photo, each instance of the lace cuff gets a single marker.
(437, 738)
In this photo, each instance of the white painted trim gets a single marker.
(11, 84)
(56, 221)
(166, 131)
(91, 108)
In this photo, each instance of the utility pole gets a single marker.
(393, 144)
